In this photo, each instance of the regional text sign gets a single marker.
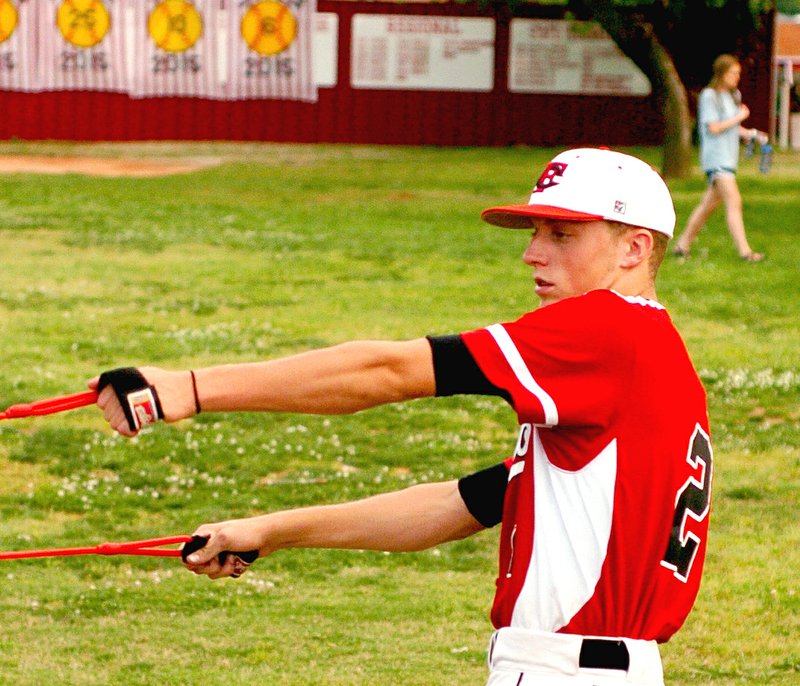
(415, 52)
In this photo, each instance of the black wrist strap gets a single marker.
(196, 396)
(139, 399)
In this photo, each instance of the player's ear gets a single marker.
(638, 245)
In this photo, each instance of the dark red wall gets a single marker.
(346, 115)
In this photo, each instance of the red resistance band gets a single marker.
(49, 406)
(150, 548)
(147, 547)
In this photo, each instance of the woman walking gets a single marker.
(720, 113)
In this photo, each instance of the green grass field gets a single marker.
(283, 248)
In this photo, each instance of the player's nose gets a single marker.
(533, 255)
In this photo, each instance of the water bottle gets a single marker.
(765, 159)
(750, 148)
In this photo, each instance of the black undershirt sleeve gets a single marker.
(456, 371)
(484, 493)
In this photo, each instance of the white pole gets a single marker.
(785, 97)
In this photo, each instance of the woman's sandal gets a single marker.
(753, 257)
(680, 252)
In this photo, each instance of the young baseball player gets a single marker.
(604, 503)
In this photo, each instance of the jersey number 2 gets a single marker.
(692, 500)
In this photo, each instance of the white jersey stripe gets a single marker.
(516, 469)
(573, 512)
(639, 300)
(522, 372)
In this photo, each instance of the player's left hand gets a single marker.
(231, 537)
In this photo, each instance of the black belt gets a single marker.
(603, 653)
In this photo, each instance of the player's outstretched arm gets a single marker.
(338, 380)
(415, 518)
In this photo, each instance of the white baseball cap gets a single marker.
(586, 184)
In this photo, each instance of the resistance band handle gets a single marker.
(138, 399)
(197, 542)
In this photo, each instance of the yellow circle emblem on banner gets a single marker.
(8, 20)
(269, 27)
(83, 23)
(175, 25)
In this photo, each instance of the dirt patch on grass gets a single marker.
(19, 477)
(96, 166)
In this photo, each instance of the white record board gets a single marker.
(422, 52)
(571, 57)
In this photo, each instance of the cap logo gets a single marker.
(620, 207)
(550, 176)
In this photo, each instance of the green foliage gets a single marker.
(679, 7)
(789, 7)
(282, 248)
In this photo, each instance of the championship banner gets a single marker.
(81, 45)
(270, 48)
(176, 44)
(18, 45)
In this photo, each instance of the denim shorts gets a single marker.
(713, 174)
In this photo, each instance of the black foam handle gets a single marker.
(197, 542)
(124, 381)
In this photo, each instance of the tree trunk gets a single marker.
(678, 154)
(638, 40)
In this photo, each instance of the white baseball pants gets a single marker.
(520, 657)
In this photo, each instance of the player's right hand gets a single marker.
(174, 390)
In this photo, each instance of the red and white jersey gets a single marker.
(605, 518)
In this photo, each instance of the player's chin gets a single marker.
(546, 291)
(548, 298)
